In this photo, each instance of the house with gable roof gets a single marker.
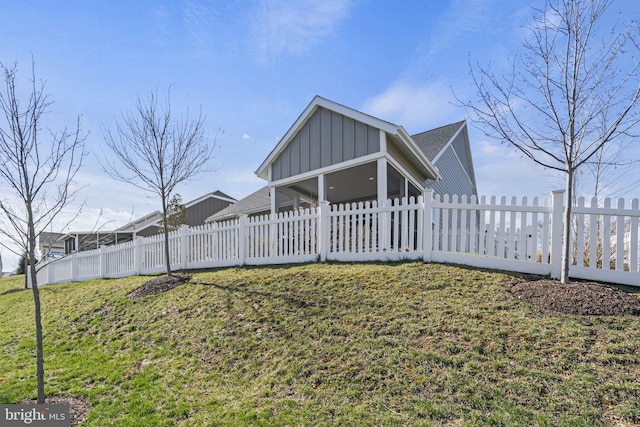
(195, 213)
(341, 155)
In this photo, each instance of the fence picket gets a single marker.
(533, 253)
(620, 236)
(633, 240)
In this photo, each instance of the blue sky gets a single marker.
(254, 65)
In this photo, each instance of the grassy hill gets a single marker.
(402, 344)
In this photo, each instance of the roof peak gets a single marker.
(455, 124)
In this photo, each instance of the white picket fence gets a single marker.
(514, 236)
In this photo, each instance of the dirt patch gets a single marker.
(581, 298)
(78, 407)
(158, 285)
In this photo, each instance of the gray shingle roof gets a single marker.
(256, 202)
(433, 141)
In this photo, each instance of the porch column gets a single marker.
(384, 224)
(321, 186)
(382, 181)
(272, 191)
(406, 189)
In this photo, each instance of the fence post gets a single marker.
(242, 239)
(74, 267)
(27, 273)
(137, 256)
(103, 262)
(184, 245)
(557, 224)
(49, 272)
(324, 230)
(427, 221)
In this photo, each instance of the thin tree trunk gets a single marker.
(566, 231)
(39, 341)
(38, 314)
(166, 235)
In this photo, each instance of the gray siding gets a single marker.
(460, 147)
(454, 179)
(151, 230)
(196, 214)
(327, 138)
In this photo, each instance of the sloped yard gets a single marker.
(368, 344)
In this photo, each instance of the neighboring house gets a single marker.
(50, 245)
(342, 155)
(195, 213)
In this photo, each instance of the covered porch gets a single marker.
(377, 180)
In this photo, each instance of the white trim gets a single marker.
(142, 221)
(417, 153)
(234, 215)
(328, 169)
(449, 143)
(207, 196)
(382, 188)
(383, 141)
(321, 188)
(316, 103)
(272, 199)
(463, 168)
(349, 164)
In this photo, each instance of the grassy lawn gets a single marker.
(365, 345)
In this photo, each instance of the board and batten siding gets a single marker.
(326, 139)
(197, 213)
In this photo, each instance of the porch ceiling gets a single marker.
(358, 183)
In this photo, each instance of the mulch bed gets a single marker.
(158, 285)
(581, 298)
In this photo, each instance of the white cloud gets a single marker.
(415, 107)
(246, 136)
(294, 27)
(199, 20)
(488, 148)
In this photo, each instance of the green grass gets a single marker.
(332, 344)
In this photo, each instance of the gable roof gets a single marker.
(433, 141)
(216, 194)
(398, 132)
(256, 202)
(50, 239)
(141, 222)
(154, 218)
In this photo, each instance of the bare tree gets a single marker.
(39, 171)
(571, 92)
(611, 172)
(155, 151)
